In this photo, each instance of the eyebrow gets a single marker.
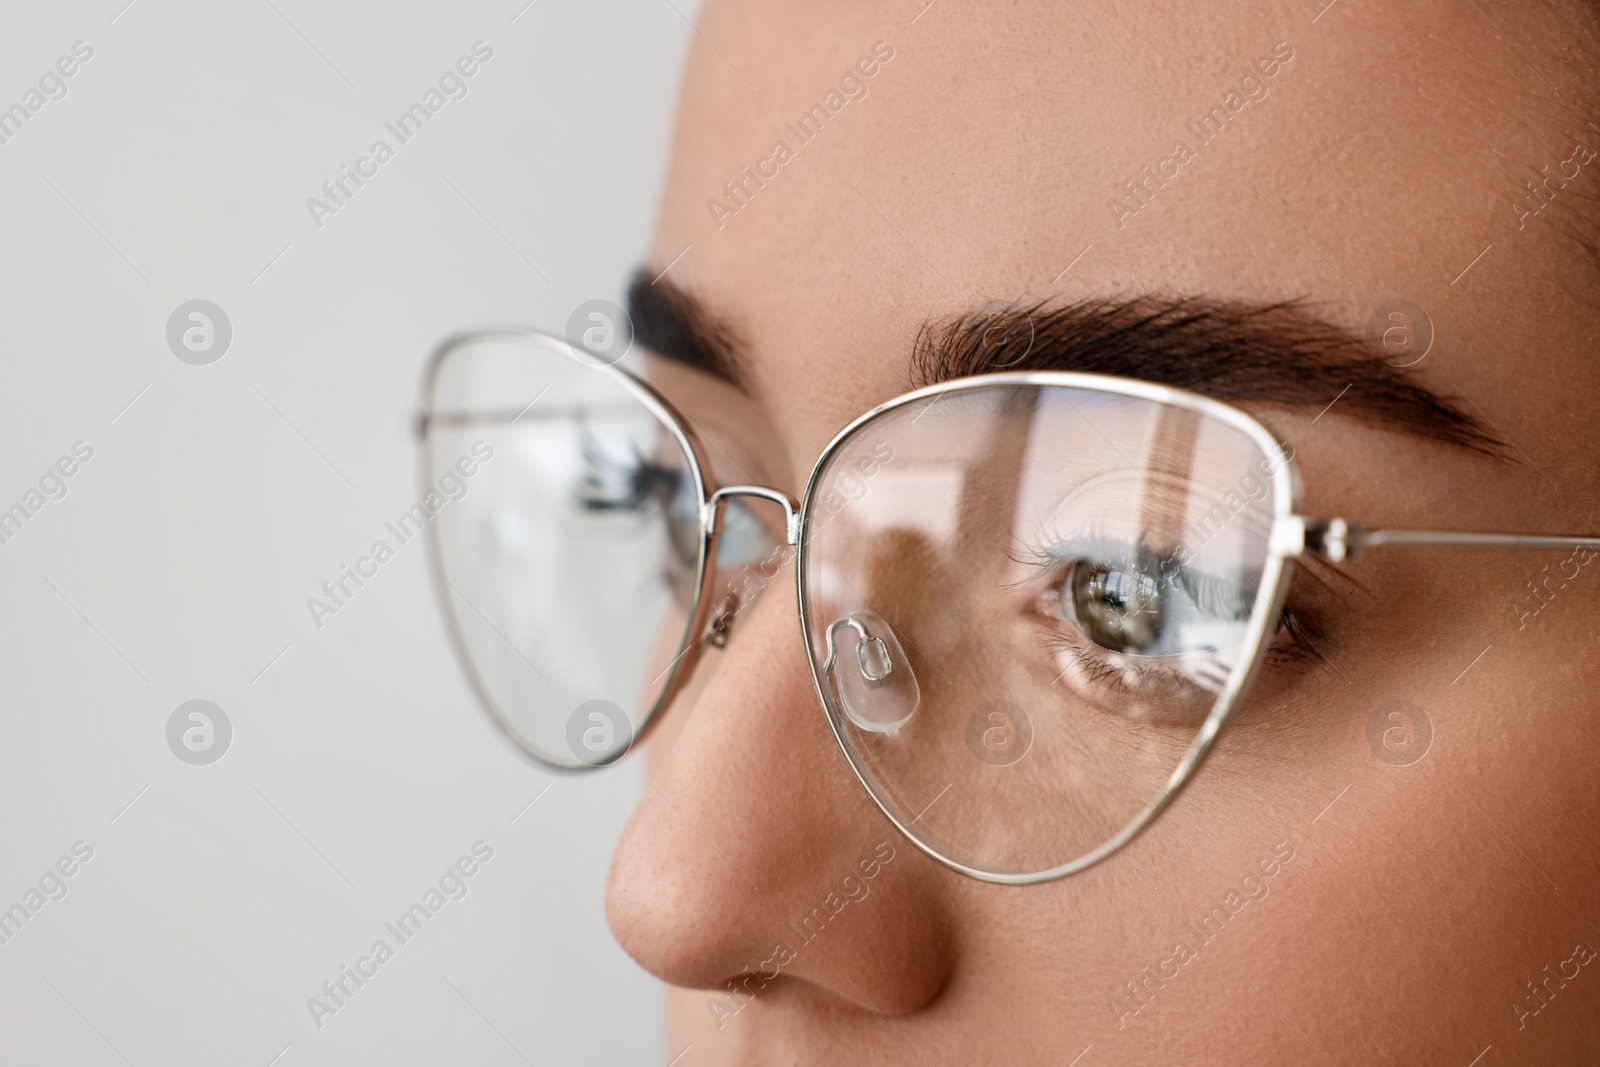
(676, 326)
(1281, 354)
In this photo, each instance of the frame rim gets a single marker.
(1268, 602)
(700, 467)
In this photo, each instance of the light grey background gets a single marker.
(177, 167)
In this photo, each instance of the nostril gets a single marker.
(875, 685)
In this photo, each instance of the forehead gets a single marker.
(980, 154)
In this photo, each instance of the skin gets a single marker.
(1417, 905)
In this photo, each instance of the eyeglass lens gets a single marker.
(569, 563)
(1024, 602)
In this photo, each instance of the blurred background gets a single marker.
(243, 851)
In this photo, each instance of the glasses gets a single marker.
(1030, 601)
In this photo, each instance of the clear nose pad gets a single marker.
(871, 673)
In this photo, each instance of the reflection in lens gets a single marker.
(1117, 606)
(569, 568)
(1085, 562)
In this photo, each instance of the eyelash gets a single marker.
(635, 484)
(653, 492)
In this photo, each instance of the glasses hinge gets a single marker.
(1288, 537)
(1335, 540)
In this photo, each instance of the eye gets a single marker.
(1148, 633)
(631, 483)
(1131, 623)
(1121, 608)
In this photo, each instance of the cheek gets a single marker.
(1462, 845)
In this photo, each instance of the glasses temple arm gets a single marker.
(1337, 540)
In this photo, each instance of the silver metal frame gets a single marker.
(1292, 535)
(1264, 612)
(710, 512)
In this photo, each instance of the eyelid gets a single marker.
(1046, 558)
(611, 482)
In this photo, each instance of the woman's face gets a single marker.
(1340, 885)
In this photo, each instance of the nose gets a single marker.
(755, 860)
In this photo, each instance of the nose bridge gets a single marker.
(791, 510)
